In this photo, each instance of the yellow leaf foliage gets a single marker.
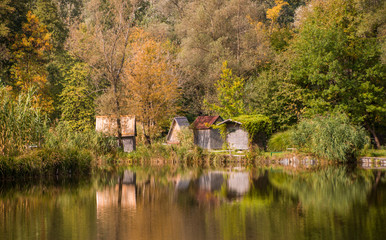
(151, 81)
(29, 53)
(274, 13)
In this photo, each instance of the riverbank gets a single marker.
(81, 161)
(46, 162)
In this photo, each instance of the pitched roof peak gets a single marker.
(205, 122)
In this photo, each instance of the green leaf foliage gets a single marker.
(77, 106)
(337, 65)
(255, 124)
(230, 93)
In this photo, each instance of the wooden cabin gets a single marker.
(237, 137)
(108, 125)
(205, 136)
(178, 124)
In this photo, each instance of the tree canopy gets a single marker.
(286, 60)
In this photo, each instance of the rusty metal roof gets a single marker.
(205, 122)
(108, 125)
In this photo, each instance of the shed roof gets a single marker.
(108, 125)
(182, 121)
(205, 122)
(229, 121)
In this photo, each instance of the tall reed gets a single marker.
(21, 124)
(63, 137)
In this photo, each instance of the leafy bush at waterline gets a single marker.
(330, 137)
(21, 124)
(280, 141)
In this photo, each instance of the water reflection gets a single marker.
(238, 183)
(211, 181)
(199, 203)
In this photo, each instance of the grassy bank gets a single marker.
(381, 153)
(44, 162)
(62, 151)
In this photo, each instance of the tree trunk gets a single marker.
(376, 139)
(119, 129)
(147, 137)
(118, 113)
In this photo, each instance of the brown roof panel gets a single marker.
(205, 122)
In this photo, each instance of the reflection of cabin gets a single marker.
(109, 196)
(182, 184)
(129, 177)
(205, 135)
(178, 124)
(108, 125)
(238, 183)
(237, 137)
(211, 181)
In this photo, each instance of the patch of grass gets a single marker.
(375, 153)
(280, 141)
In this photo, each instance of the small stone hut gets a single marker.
(178, 124)
(237, 137)
(108, 125)
(205, 136)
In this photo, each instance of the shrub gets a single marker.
(330, 137)
(280, 141)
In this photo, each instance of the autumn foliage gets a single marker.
(30, 49)
(151, 82)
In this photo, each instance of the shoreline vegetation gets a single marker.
(69, 162)
(301, 75)
(32, 146)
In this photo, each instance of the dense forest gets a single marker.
(287, 60)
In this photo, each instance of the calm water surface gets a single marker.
(190, 202)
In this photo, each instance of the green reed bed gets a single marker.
(44, 162)
(29, 147)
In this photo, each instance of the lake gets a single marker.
(180, 201)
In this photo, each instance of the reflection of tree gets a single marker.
(332, 200)
(46, 211)
(269, 210)
(329, 189)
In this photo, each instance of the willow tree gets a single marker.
(102, 41)
(152, 83)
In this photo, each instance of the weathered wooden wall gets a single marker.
(173, 138)
(208, 138)
(129, 143)
(237, 138)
